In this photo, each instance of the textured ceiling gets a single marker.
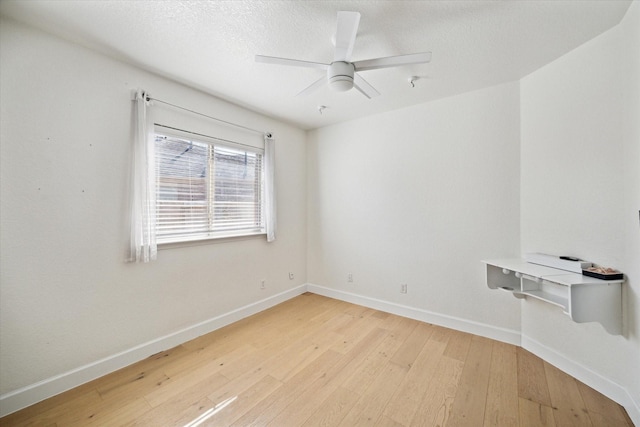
(210, 45)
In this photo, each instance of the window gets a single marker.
(207, 189)
(188, 186)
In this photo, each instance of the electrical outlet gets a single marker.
(349, 277)
(290, 276)
(263, 284)
(403, 288)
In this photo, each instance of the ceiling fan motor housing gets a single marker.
(340, 76)
(341, 73)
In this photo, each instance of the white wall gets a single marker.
(420, 196)
(580, 189)
(67, 296)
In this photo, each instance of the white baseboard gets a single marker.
(594, 380)
(34, 393)
(464, 325)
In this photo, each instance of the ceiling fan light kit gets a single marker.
(342, 74)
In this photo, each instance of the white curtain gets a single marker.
(143, 192)
(269, 191)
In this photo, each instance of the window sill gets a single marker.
(198, 241)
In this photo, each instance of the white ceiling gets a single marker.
(210, 45)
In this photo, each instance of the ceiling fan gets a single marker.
(341, 73)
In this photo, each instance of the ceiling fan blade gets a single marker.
(313, 87)
(365, 88)
(392, 61)
(290, 62)
(346, 35)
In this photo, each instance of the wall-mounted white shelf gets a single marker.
(582, 298)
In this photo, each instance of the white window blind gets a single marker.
(206, 190)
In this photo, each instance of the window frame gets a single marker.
(209, 236)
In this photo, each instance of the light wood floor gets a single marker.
(314, 361)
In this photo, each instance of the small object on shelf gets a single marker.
(603, 273)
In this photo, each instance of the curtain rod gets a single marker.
(149, 98)
(207, 136)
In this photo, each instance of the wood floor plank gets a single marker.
(186, 405)
(295, 357)
(333, 409)
(502, 393)
(410, 393)
(435, 407)
(244, 401)
(387, 422)
(534, 414)
(183, 416)
(216, 350)
(441, 334)
(269, 407)
(236, 366)
(368, 409)
(331, 309)
(78, 407)
(139, 377)
(177, 384)
(601, 407)
(361, 324)
(290, 360)
(359, 311)
(114, 413)
(296, 413)
(469, 403)
(532, 380)
(38, 413)
(569, 408)
(291, 326)
(380, 315)
(286, 363)
(408, 352)
(458, 345)
(365, 374)
(390, 322)
(132, 387)
(287, 356)
(604, 420)
(100, 413)
(313, 361)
